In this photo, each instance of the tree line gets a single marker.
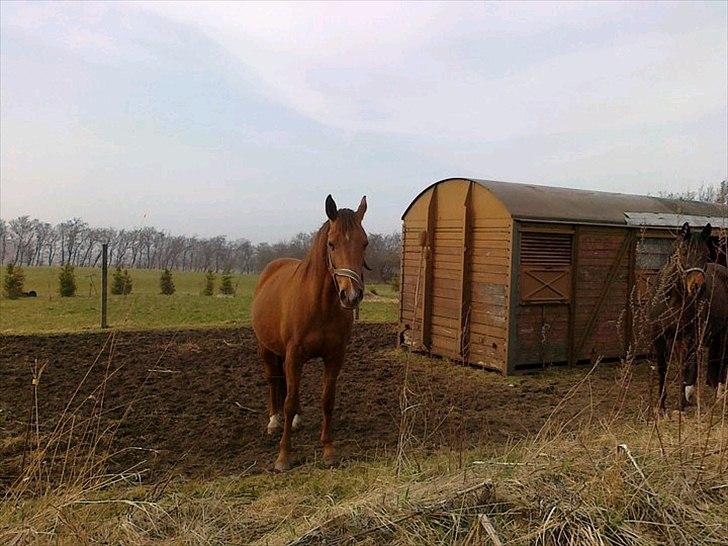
(32, 242)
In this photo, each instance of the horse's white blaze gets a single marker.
(689, 391)
(296, 421)
(274, 423)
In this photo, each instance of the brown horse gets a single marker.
(714, 292)
(690, 310)
(303, 309)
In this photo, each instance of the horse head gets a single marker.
(345, 248)
(692, 253)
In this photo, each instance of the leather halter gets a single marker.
(343, 272)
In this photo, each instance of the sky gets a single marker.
(239, 118)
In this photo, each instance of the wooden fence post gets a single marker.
(104, 282)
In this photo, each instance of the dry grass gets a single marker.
(581, 481)
(666, 487)
(646, 482)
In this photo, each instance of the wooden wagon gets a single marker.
(508, 276)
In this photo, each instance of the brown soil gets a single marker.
(193, 403)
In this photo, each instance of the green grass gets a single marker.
(145, 307)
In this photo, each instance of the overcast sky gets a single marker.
(239, 119)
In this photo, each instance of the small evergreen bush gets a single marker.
(226, 283)
(166, 283)
(13, 281)
(67, 281)
(121, 283)
(209, 288)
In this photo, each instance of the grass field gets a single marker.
(145, 307)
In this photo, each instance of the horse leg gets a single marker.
(689, 359)
(332, 366)
(276, 387)
(718, 363)
(661, 357)
(293, 367)
(713, 375)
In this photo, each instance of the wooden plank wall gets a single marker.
(467, 318)
(490, 284)
(447, 273)
(543, 334)
(543, 329)
(599, 248)
(448, 267)
(413, 268)
(490, 291)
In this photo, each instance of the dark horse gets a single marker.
(304, 309)
(690, 311)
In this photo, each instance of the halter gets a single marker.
(343, 272)
(692, 269)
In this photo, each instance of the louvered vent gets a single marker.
(546, 249)
(545, 268)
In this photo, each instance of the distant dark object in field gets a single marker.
(30, 294)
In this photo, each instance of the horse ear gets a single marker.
(362, 208)
(705, 234)
(684, 231)
(331, 211)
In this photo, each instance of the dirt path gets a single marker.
(194, 402)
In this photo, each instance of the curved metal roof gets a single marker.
(547, 203)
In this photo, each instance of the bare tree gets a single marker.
(74, 242)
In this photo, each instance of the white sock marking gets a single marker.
(296, 421)
(274, 423)
(689, 391)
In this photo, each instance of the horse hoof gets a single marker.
(283, 465)
(297, 420)
(329, 456)
(274, 423)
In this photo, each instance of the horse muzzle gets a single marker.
(350, 297)
(694, 279)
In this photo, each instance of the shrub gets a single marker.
(226, 283)
(395, 283)
(209, 288)
(13, 281)
(117, 282)
(67, 281)
(166, 283)
(121, 282)
(127, 282)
